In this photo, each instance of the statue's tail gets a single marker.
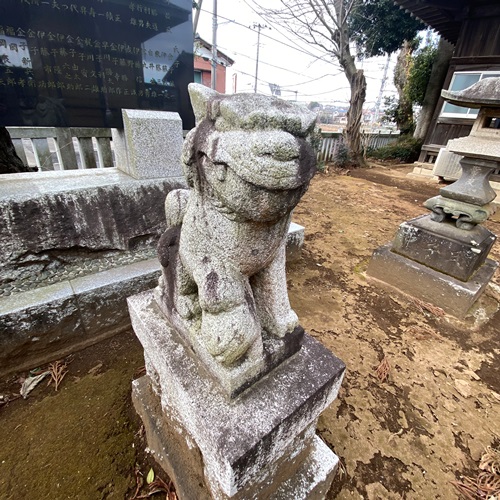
(175, 208)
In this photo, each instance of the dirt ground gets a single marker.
(407, 436)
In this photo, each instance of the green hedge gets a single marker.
(406, 149)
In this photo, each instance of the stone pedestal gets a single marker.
(444, 247)
(261, 444)
(436, 262)
(454, 296)
(294, 242)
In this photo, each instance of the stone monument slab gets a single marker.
(78, 64)
(153, 142)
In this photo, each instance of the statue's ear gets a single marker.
(201, 98)
(188, 157)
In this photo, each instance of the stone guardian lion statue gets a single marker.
(247, 162)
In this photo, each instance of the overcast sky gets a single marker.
(283, 60)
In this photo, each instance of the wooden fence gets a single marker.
(52, 148)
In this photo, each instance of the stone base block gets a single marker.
(169, 444)
(294, 242)
(455, 297)
(153, 141)
(423, 171)
(444, 247)
(255, 444)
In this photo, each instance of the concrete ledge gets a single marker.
(423, 171)
(455, 297)
(49, 221)
(38, 325)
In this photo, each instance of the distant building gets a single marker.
(203, 65)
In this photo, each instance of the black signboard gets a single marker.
(77, 63)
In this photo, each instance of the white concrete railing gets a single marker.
(56, 148)
(330, 142)
(53, 148)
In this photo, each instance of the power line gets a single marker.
(297, 46)
(323, 93)
(314, 56)
(301, 95)
(269, 64)
(310, 81)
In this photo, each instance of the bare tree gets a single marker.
(325, 23)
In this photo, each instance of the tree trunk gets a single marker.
(433, 90)
(355, 116)
(10, 163)
(404, 112)
(357, 83)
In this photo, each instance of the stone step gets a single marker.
(52, 319)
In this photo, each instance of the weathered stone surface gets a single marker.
(43, 219)
(464, 215)
(474, 183)
(37, 325)
(153, 143)
(308, 475)
(484, 93)
(443, 246)
(102, 297)
(245, 441)
(248, 162)
(455, 297)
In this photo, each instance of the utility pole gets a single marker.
(381, 91)
(259, 27)
(214, 44)
(197, 16)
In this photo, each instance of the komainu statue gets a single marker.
(248, 161)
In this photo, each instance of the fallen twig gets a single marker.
(57, 371)
(487, 483)
(139, 481)
(426, 306)
(383, 369)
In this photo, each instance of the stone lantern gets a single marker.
(469, 198)
(441, 258)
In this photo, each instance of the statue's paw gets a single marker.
(188, 306)
(280, 325)
(228, 335)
